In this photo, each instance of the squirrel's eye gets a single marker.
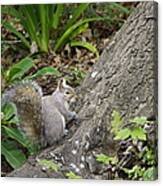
(67, 92)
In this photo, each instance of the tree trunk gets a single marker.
(125, 80)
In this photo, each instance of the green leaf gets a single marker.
(44, 37)
(9, 110)
(150, 174)
(72, 175)
(15, 134)
(86, 45)
(123, 134)
(13, 156)
(57, 16)
(18, 136)
(28, 22)
(66, 35)
(139, 120)
(19, 69)
(116, 122)
(120, 7)
(135, 172)
(49, 164)
(76, 14)
(45, 71)
(79, 30)
(102, 158)
(18, 34)
(138, 133)
(10, 10)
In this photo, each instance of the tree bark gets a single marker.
(125, 80)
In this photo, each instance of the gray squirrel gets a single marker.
(42, 118)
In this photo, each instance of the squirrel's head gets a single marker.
(68, 92)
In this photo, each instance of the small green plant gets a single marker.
(86, 45)
(135, 132)
(49, 164)
(13, 140)
(76, 75)
(17, 71)
(145, 168)
(148, 156)
(137, 172)
(72, 175)
(105, 159)
(39, 21)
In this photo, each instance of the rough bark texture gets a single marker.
(124, 80)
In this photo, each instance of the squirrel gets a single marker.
(42, 118)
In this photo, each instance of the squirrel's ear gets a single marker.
(61, 84)
(64, 85)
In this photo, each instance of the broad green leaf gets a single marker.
(18, 136)
(15, 134)
(123, 134)
(45, 71)
(139, 120)
(19, 69)
(49, 164)
(86, 45)
(12, 155)
(138, 133)
(72, 175)
(13, 72)
(9, 110)
(18, 34)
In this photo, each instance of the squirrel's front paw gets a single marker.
(72, 115)
(66, 132)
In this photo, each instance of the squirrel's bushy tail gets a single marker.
(27, 96)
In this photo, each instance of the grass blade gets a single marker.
(76, 14)
(18, 34)
(57, 15)
(120, 7)
(28, 22)
(66, 35)
(10, 10)
(86, 45)
(79, 30)
(44, 37)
